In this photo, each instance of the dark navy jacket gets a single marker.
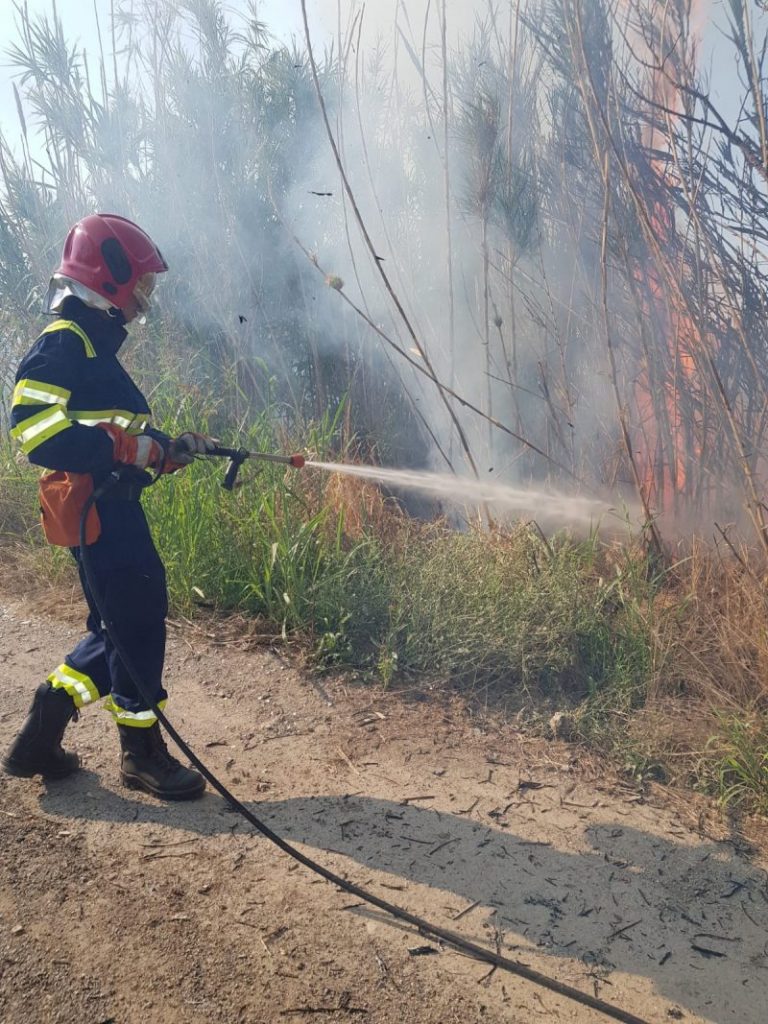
(69, 381)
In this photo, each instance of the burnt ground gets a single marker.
(117, 908)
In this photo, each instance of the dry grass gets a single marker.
(43, 581)
(713, 615)
(704, 719)
(362, 507)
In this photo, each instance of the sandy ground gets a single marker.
(116, 909)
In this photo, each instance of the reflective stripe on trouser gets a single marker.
(130, 579)
(80, 687)
(135, 719)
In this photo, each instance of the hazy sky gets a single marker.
(283, 18)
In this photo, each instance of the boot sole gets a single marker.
(22, 771)
(132, 782)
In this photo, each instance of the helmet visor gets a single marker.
(142, 293)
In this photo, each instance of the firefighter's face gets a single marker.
(130, 310)
(140, 301)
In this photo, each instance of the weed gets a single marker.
(738, 762)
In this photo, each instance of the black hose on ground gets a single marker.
(424, 927)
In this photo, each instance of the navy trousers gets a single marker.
(130, 582)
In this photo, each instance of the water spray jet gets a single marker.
(455, 489)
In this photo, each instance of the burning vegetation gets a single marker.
(533, 251)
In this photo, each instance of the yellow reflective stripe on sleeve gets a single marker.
(129, 421)
(38, 392)
(70, 325)
(36, 429)
(92, 417)
(139, 423)
(135, 719)
(80, 687)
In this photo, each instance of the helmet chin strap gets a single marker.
(116, 314)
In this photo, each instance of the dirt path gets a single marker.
(116, 908)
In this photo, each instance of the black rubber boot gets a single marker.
(146, 764)
(37, 748)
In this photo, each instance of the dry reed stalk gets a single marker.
(604, 139)
(447, 198)
(371, 248)
(429, 375)
(650, 524)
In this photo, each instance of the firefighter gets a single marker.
(77, 413)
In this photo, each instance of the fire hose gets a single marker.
(237, 457)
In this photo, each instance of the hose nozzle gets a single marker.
(237, 456)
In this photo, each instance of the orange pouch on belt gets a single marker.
(62, 500)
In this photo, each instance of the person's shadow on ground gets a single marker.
(693, 919)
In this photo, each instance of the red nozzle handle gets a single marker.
(297, 461)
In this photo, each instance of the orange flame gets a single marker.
(665, 447)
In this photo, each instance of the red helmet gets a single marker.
(108, 255)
